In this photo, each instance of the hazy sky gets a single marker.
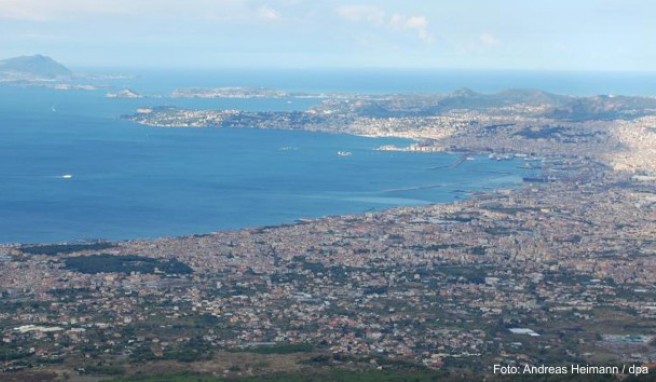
(476, 34)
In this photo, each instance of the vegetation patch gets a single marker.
(332, 375)
(106, 263)
(279, 349)
(55, 249)
(8, 353)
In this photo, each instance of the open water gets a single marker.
(71, 169)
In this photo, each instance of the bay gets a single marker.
(71, 169)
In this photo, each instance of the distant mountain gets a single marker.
(553, 106)
(464, 92)
(36, 67)
(464, 98)
(471, 99)
(530, 97)
(603, 107)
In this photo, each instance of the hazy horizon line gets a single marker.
(354, 69)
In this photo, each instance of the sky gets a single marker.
(599, 35)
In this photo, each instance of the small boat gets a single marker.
(66, 176)
(344, 153)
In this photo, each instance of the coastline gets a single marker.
(571, 255)
(534, 224)
(441, 143)
(457, 156)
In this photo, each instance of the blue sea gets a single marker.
(71, 169)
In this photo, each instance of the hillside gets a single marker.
(35, 67)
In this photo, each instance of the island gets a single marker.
(42, 71)
(124, 93)
(32, 68)
(230, 92)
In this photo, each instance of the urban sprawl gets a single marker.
(558, 271)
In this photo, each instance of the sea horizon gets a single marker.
(394, 80)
